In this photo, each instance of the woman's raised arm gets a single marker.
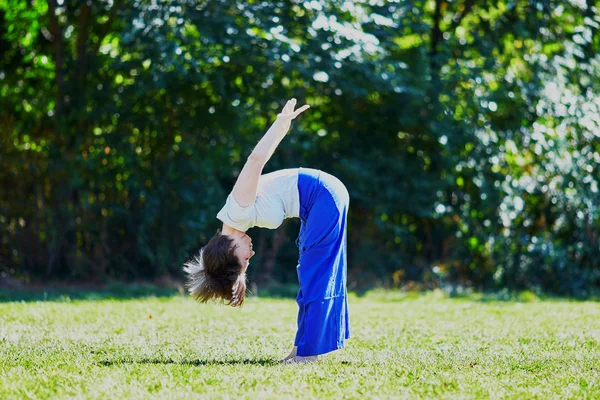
(244, 190)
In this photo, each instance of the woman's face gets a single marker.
(243, 250)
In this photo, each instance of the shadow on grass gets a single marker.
(120, 291)
(130, 291)
(117, 291)
(197, 363)
(524, 296)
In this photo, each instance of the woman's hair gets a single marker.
(216, 273)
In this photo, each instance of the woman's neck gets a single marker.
(232, 232)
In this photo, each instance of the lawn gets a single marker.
(402, 346)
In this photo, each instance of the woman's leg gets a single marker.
(322, 299)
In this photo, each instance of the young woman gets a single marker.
(321, 202)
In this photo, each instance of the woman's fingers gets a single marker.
(288, 109)
(301, 110)
(289, 106)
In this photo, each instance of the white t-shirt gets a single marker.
(277, 198)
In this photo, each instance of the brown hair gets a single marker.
(216, 273)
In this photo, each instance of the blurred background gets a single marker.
(466, 131)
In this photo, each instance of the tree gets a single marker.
(465, 131)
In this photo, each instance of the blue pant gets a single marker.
(322, 298)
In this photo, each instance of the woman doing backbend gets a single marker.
(321, 202)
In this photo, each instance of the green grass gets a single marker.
(419, 346)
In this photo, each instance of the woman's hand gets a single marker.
(246, 186)
(288, 113)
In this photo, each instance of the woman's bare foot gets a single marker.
(291, 355)
(301, 360)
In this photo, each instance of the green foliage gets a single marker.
(467, 134)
